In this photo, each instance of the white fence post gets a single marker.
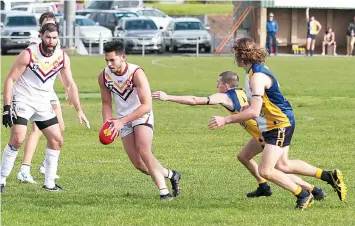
(197, 46)
(77, 36)
(64, 33)
(101, 45)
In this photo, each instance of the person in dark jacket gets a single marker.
(351, 37)
(272, 28)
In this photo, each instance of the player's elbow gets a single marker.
(254, 114)
(147, 107)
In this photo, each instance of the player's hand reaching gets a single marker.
(82, 117)
(160, 95)
(216, 122)
(7, 116)
(116, 126)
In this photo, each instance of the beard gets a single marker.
(46, 48)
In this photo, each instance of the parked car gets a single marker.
(185, 33)
(160, 18)
(138, 31)
(36, 8)
(110, 18)
(89, 31)
(107, 5)
(6, 5)
(18, 30)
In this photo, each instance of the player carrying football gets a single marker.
(129, 87)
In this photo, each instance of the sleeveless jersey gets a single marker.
(240, 101)
(276, 111)
(312, 27)
(36, 83)
(122, 89)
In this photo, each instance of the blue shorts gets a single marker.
(313, 37)
(280, 137)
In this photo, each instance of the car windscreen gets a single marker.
(113, 4)
(85, 22)
(21, 21)
(140, 25)
(188, 26)
(120, 15)
(125, 4)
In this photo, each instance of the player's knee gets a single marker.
(16, 141)
(265, 172)
(56, 142)
(242, 158)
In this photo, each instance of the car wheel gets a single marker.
(3, 51)
(175, 49)
(208, 49)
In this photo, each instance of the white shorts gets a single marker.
(33, 112)
(147, 119)
(55, 99)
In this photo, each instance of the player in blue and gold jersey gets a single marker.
(275, 118)
(235, 100)
(313, 28)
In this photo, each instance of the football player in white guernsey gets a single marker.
(27, 94)
(128, 85)
(33, 138)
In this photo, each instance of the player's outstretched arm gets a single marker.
(70, 85)
(217, 98)
(307, 14)
(258, 83)
(106, 99)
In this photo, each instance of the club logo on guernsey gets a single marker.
(35, 67)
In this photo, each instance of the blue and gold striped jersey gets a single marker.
(276, 111)
(240, 102)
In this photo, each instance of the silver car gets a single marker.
(89, 31)
(186, 33)
(136, 32)
(18, 30)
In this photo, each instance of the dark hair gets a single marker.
(49, 27)
(229, 77)
(248, 52)
(114, 46)
(46, 15)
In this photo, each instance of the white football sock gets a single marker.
(7, 163)
(163, 191)
(52, 157)
(25, 168)
(170, 174)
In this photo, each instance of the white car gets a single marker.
(186, 32)
(160, 18)
(37, 8)
(89, 31)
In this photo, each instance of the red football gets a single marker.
(105, 133)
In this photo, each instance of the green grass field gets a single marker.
(193, 8)
(102, 187)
